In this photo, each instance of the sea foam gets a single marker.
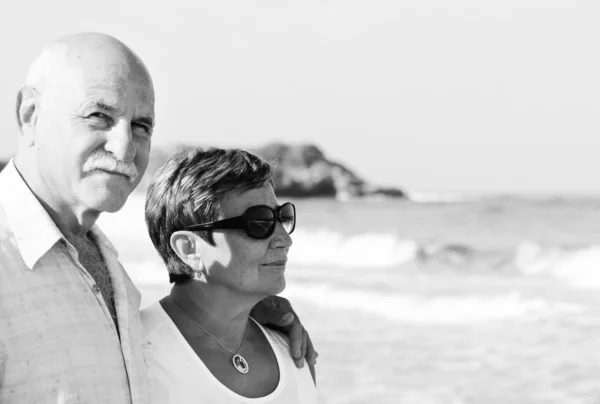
(437, 310)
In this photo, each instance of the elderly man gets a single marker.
(70, 329)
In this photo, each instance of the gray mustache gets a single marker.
(106, 162)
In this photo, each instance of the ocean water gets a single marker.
(446, 300)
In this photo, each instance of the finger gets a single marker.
(299, 363)
(285, 314)
(304, 343)
(281, 303)
(280, 318)
(264, 313)
(296, 334)
(260, 310)
(311, 354)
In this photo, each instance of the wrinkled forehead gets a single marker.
(119, 82)
(119, 93)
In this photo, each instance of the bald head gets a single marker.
(93, 53)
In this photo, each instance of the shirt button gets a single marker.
(96, 289)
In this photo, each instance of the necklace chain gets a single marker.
(209, 334)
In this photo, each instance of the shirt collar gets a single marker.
(103, 240)
(34, 231)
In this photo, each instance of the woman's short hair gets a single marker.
(189, 189)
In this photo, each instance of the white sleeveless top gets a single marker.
(178, 375)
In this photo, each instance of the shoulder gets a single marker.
(304, 377)
(131, 288)
(155, 321)
(277, 338)
(151, 315)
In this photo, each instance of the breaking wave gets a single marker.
(577, 266)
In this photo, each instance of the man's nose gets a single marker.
(120, 141)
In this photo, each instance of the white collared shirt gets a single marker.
(58, 342)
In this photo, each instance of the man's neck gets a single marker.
(71, 220)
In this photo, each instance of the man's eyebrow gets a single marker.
(148, 121)
(105, 107)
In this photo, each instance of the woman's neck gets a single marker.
(218, 311)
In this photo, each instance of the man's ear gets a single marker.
(185, 245)
(27, 113)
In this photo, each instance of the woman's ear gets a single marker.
(185, 245)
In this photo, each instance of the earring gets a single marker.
(199, 269)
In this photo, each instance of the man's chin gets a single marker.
(107, 205)
(113, 207)
(106, 199)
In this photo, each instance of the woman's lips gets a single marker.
(279, 263)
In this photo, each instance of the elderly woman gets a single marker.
(214, 219)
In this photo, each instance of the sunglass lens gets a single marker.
(288, 217)
(260, 222)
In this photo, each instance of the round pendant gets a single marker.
(240, 363)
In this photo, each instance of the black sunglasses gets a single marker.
(257, 221)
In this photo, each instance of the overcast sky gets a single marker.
(500, 96)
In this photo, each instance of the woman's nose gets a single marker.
(280, 238)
